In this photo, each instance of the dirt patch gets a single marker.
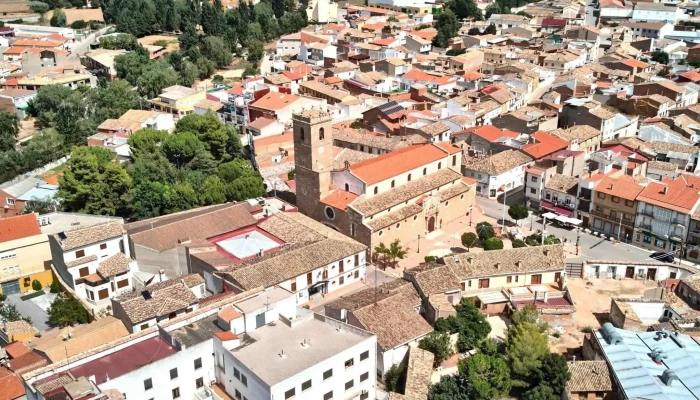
(75, 14)
(26, 129)
(592, 299)
(173, 44)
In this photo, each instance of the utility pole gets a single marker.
(505, 196)
(544, 226)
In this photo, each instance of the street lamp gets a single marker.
(578, 239)
(419, 243)
(470, 214)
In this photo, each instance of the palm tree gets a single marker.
(394, 251)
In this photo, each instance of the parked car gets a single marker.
(662, 256)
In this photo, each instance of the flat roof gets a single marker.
(197, 332)
(262, 299)
(64, 221)
(260, 348)
(247, 244)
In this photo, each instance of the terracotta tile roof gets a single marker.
(394, 217)
(433, 278)
(114, 265)
(678, 197)
(497, 163)
(228, 314)
(545, 144)
(339, 199)
(92, 234)
(693, 76)
(393, 319)
(489, 132)
(449, 148)
(344, 156)
(27, 362)
(435, 128)
(54, 346)
(15, 328)
(406, 192)
(166, 297)
(226, 335)
(19, 227)
(621, 187)
(12, 387)
(364, 138)
(662, 165)
(198, 225)
(311, 246)
(36, 43)
(562, 183)
(17, 349)
(589, 376)
(581, 133)
(275, 101)
(397, 162)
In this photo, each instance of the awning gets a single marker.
(492, 297)
(549, 215)
(559, 210)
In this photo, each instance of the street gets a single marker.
(592, 247)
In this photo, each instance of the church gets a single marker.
(377, 199)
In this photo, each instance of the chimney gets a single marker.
(470, 260)
(519, 263)
(546, 252)
(306, 343)
(665, 189)
(498, 265)
(281, 354)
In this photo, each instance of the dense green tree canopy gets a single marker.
(9, 130)
(488, 376)
(439, 344)
(66, 311)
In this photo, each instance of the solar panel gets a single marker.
(62, 235)
(146, 294)
(390, 104)
(393, 110)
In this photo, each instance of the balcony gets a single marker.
(206, 394)
(648, 213)
(646, 227)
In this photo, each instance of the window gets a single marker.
(328, 396)
(330, 213)
(341, 266)
(364, 377)
(392, 184)
(660, 243)
(123, 283)
(516, 278)
(409, 177)
(349, 363)
(547, 195)
(103, 294)
(294, 286)
(199, 382)
(10, 201)
(176, 393)
(376, 190)
(7, 255)
(148, 384)
(398, 225)
(237, 394)
(509, 279)
(341, 280)
(629, 203)
(91, 296)
(425, 171)
(83, 272)
(289, 393)
(347, 187)
(357, 260)
(328, 374)
(364, 355)
(173, 373)
(143, 326)
(244, 380)
(533, 178)
(454, 160)
(439, 165)
(301, 133)
(601, 195)
(80, 253)
(306, 385)
(103, 246)
(615, 199)
(198, 363)
(533, 191)
(349, 384)
(321, 134)
(352, 229)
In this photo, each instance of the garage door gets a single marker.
(11, 287)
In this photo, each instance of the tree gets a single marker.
(493, 243)
(79, 24)
(466, 9)
(488, 376)
(10, 313)
(491, 9)
(66, 311)
(291, 174)
(660, 56)
(551, 239)
(449, 388)
(541, 392)
(447, 27)
(391, 253)
(213, 191)
(256, 51)
(181, 148)
(55, 287)
(527, 314)
(216, 50)
(155, 77)
(112, 101)
(47, 102)
(39, 7)
(490, 30)
(439, 344)
(217, 79)
(121, 41)
(665, 72)
(40, 206)
(130, 66)
(474, 31)
(525, 348)
(394, 377)
(94, 182)
(9, 130)
(58, 18)
(488, 346)
(518, 211)
(471, 325)
(36, 285)
(517, 243)
(554, 372)
(485, 230)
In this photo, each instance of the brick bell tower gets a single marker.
(313, 159)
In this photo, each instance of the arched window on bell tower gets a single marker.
(321, 134)
(301, 133)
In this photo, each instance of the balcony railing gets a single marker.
(647, 213)
(644, 226)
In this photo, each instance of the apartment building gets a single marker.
(663, 213)
(178, 100)
(94, 261)
(496, 173)
(560, 195)
(614, 206)
(25, 255)
(300, 356)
